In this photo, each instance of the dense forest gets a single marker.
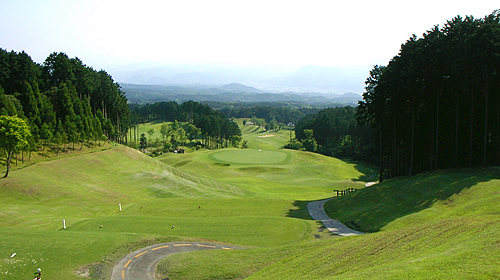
(335, 132)
(437, 103)
(62, 99)
(270, 112)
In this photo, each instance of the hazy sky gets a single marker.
(106, 33)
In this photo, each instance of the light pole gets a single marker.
(290, 126)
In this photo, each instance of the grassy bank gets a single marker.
(453, 237)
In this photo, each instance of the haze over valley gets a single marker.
(309, 84)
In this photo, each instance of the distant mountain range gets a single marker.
(312, 79)
(308, 84)
(233, 92)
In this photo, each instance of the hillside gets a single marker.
(451, 234)
(86, 190)
(91, 181)
(454, 236)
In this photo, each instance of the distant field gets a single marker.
(249, 156)
(259, 138)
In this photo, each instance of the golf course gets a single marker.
(77, 216)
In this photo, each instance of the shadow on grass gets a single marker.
(299, 210)
(372, 208)
(370, 172)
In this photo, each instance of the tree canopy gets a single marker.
(436, 104)
(337, 134)
(216, 129)
(62, 95)
(14, 133)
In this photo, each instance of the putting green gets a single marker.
(249, 156)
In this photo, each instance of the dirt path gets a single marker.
(317, 212)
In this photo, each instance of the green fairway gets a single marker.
(283, 173)
(250, 156)
(264, 140)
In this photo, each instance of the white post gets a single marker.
(64, 224)
(120, 205)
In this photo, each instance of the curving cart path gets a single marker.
(317, 212)
(141, 264)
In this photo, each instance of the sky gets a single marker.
(109, 33)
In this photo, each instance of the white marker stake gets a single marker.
(64, 224)
(120, 205)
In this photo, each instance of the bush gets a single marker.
(295, 145)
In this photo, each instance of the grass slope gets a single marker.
(286, 174)
(454, 237)
(85, 190)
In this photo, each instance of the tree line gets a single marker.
(216, 129)
(335, 132)
(437, 103)
(62, 100)
(270, 112)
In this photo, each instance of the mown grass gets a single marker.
(440, 225)
(285, 173)
(258, 138)
(374, 208)
(85, 191)
(454, 237)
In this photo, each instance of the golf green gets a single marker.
(250, 156)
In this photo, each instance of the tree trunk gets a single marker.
(381, 169)
(497, 138)
(9, 159)
(436, 163)
(471, 131)
(456, 136)
(485, 140)
(412, 148)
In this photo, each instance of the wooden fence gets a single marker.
(346, 191)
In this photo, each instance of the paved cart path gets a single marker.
(317, 212)
(141, 264)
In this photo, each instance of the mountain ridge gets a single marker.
(310, 78)
(233, 92)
